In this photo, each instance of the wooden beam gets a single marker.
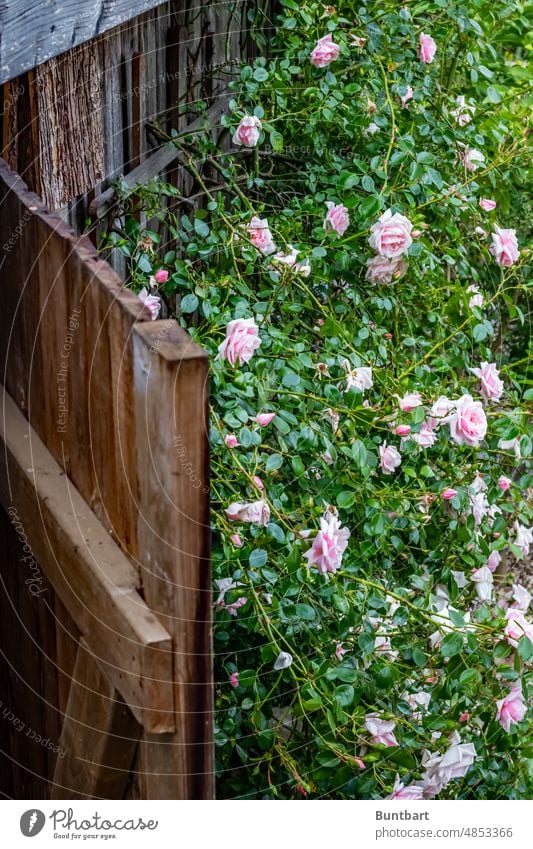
(34, 31)
(93, 578)
(157, 162)
(99, 737)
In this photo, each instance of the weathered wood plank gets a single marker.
(155, 164)
(99, 737)
(69, 125)
(93, 578)
(33, 31)
(173, 457)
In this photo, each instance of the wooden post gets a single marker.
(170, 374)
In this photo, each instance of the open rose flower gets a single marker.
(290, 259)
(512, 708)
(428, 48)
(337, 218)
(405, 98)
(476, 299)
(264, 419)
(470, 158)
(517, 627)
(390, 458)
(381, 730)
(504, 247)
(242, 339)
(426, 436)
(328, 546)
(468, 423)
(390, 236)
(260, 235)
(324, 52)
(151, 302)
(491, 384)
(248, 131)
(484, 582)
(400, 791)
(463, 113)
(257, 512)
(523, 538)
(380, 269)
(409, 401)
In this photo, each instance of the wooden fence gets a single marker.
(105, 646)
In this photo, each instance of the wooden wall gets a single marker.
(78, 120)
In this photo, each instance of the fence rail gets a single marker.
(95, 399)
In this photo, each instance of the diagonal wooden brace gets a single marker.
(91, 575)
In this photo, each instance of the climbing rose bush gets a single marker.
(357, 274)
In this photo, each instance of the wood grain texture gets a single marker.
(98, 739)
(90, 574)
(33, 31)
(171, 376)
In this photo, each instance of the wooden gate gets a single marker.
(105, 647)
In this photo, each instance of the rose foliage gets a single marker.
(355, 264)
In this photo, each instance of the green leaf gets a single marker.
(345, 499)
(452, 644)
(189, 303)
(260, 75)
(344, 695)
(359, 453)
(525, 648)
(275, 461)
(258, 558)
(201, 227)
(419, 657)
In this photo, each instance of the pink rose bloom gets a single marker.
(381, 730)
(426, 437)
(258, 482)
(409, 402)
(260, 235)
(290, 259)
(504, 246)
(511, 445)
(428, 48)
(512, 708)
(264, 419)
(402, 430)
(461, 114)
(448, 494)
(440, 411)
(399, 791)
(340, 651)
(380, 269)
(151, 302)
(234, 606)
(494, 560)
(337, 218)
(464, 717)
(504, 483)
(477, 299)
(521, 598)
(324, 52)
(236, 540)
(405, 98)
(328, 546)
(390, 236)
(468, 423)
(484, 583)
(247, 133)
(517, 626)
(359, 378)
(231, 440)
(234, 679)
(524, 537)
(470, 157)
(487, 204)
(491, 385)
(242, 339)
(161, 276)
(389, 459)
(257, 512)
